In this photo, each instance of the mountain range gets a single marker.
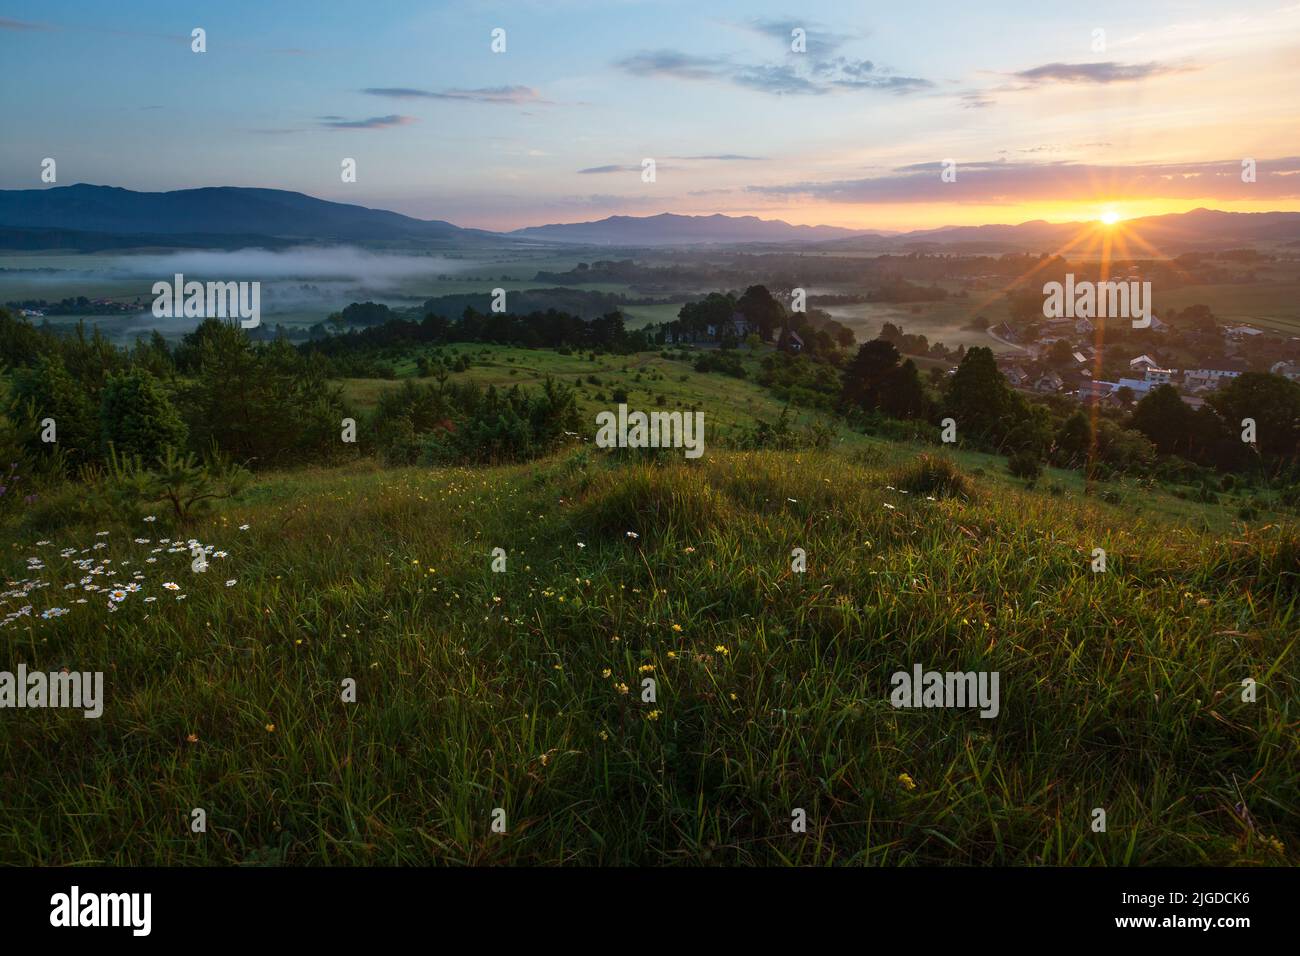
(88, 218)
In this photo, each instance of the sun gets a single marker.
(1110, 217)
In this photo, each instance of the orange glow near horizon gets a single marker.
(911, 216)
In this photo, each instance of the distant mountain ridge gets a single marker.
(89, 218)
(672, 229)
(1198, 227)
(216, 211)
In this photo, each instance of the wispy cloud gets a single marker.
(811, 77)
(722, 156)
(1004, 182)
(510, 95)
(373, 122)
(819, 39)
(21, 25)
(1097, 73)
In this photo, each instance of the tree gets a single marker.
(868, 374)
(980, 400)
(137, 418)
(761, 309)
(904, 395)
(47, 390)
(1167, 421)
(1272, 402)
(1073, 441)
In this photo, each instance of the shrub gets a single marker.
(137, 418)
(1025, 464)
(933, 475)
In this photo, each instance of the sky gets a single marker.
(1044, 110)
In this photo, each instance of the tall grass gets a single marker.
(521, 690)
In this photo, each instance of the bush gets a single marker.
(933, 475)
(137, 418)
(1025, 464)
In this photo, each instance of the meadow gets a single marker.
(522, 689)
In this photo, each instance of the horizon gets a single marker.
(1117, 221)
(1106, 115)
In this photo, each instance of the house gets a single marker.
(1289, 370)
(1016, 376)
(1159, 376)
(1158, 326)
(1079, 357)
(1095, 389)
(1201, 379)
(1049, 383)
(1084, 325)
(795, 343)
(1143, 362)
(740, 325)
(1137, 386)
(1241, 332)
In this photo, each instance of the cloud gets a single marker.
(810, 77)
(1103, 73)
(515, 95)
(374, 122)
(723, 156)
(598, 170)
(1003, 182)
(683, 66)
(21, 25)
(819, 39)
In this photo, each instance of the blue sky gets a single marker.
(1040, 122)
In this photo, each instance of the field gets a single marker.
(1272, 306)
(521, 690)
(645, 377)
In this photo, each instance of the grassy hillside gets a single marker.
(520, 690)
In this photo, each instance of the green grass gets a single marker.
(731, 403)
(480, 690)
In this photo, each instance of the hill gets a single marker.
(219, 211)
(1160, 235)
(673, 229)
(522, 689)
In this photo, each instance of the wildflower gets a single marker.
(54, 612)
(677, 628)
(150, 518)
(171, 586)
(270, 728)
(231, 583)
(633, 534)
(647, 668)
(690, 550)
(907, 781)
(890, 507)
(653, 715)
(243, 527)
(606, 672)
(581, 545)
(117, 594)
(722, 649)
(192, 738)
(621, 688)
